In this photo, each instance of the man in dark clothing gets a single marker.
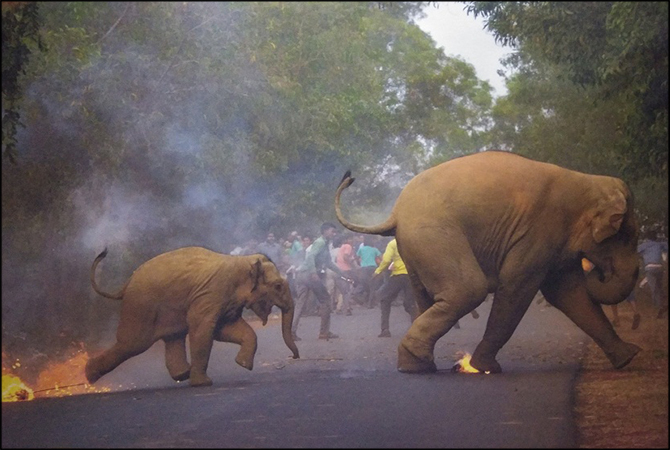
(311, 276)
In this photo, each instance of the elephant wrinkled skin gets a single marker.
(198, 292)
(502, 223)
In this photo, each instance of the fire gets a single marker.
(14, 390)
(58, 379)
(463, 364)
(66, 378)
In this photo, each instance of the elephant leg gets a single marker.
(111, 358)
(460, 286)
(241, 333)
(134, 335)
(201, 337)
(421, 296)
(510, 303)
(569, 295)
(175, 358)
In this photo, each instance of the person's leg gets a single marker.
(358, 292)
(376, 283)
(346, 292)
(301, 300)
(655, 280)
(615, 315)
(384, 296)
(636, 316)
(329, 283)
(408, 301)
(323, 299)
(343, 290)
(372, 287)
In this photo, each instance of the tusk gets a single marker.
(587, 265)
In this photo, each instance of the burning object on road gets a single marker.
(463, 364)
(57, 379)
(15, 390)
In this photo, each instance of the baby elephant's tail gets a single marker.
(118, 295)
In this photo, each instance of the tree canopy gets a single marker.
(616, 51)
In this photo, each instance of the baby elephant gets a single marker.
(198, 292)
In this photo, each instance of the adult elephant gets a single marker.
(198, 292)
(502, 223)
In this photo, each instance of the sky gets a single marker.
(460, 34)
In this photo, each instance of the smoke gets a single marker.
(142, 152)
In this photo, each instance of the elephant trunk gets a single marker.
(286, 322)
(613, 283)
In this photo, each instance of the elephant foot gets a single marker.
(247, 363)
(623, 354)
(485, 364)
(202, 380)
(183, 376)
(92, 374)
(409, 362)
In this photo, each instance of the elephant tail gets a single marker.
(386, 228)
(118, 295)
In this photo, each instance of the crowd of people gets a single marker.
(334, 272)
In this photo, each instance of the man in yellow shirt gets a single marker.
(396, 283)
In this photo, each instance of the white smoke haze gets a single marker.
(151, 174)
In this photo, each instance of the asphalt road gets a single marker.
(341, 393)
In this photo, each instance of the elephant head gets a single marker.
(612, 248)
(270, 289)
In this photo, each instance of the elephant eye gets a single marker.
(278, 287)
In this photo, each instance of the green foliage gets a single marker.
(616, 50)
(20, 29)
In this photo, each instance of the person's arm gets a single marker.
(386, 260)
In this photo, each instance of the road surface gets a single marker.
(341, 393)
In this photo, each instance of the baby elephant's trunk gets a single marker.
(286, 322)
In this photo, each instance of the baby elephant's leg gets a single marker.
(241, 333)
(175, 358)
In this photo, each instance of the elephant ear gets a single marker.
(609, 216)
(256, 273)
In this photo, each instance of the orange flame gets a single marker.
(463, 365)
(58, 379)
(66, 378)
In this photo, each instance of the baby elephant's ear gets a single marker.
(255, 274)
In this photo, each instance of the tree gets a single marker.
(619, 47)
(20, 23)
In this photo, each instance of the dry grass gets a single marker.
(626, 408)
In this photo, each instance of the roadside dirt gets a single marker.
(626, 408)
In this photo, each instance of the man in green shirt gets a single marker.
(311, 276)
